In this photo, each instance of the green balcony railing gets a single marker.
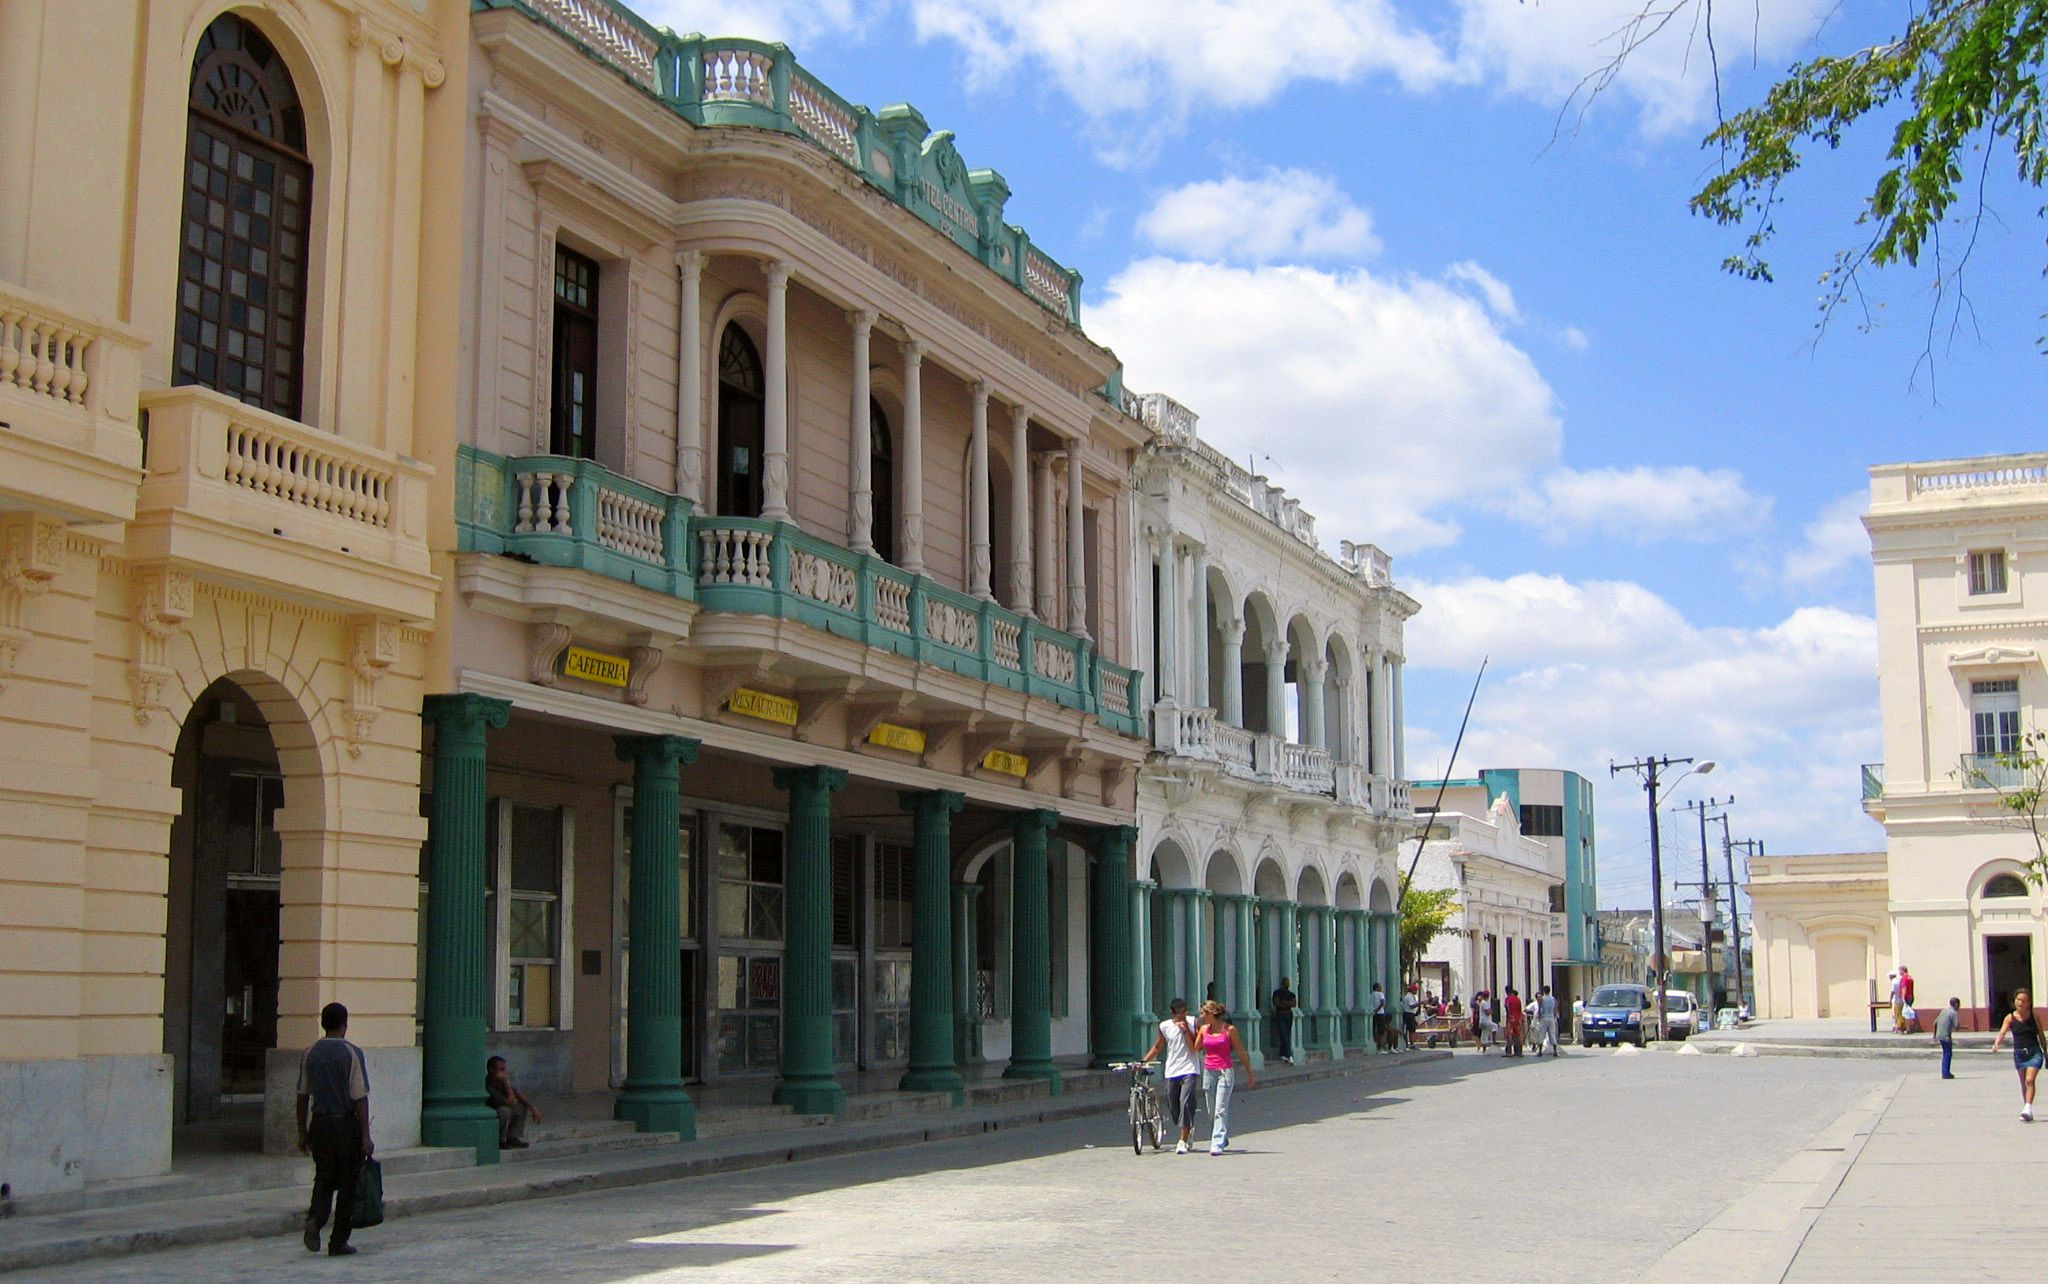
(559, 511)
(571, 512)
(1873, 781)
(760, 85)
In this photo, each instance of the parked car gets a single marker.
(1681, 1014)
(1619, 1014)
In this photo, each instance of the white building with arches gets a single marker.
(1272, 805)
(1960, 548)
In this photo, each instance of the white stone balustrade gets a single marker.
(738, 75)
(68, 399)
(823, 120)
(1306, 768)
(733, 555)
(601, 27)
(1116, 690)
(1046, 281)
(267, 499)
(1190, 733)
(1237, 750)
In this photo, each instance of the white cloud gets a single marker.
(1379, 399)
(1282, 214)
(1585, 674)
(1831, 543)
(1500, 300)
(1574, 338)
(1641, 504)
(1546, 52)
(789, 21)
(1159, 57)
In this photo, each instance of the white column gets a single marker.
(1341, 747)
(775, 432)
(1077, 544)
(1020, 510)
(1312, 703)
(1199, 693)
(1375, 715)
(690, 444)
(1233, 672)
(860, 514)
(977, 498)
(910, 463)
(1168, 680)
(1395, 721)
(1276, 689)
(1048, 569)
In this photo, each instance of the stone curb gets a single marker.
(252, 1225)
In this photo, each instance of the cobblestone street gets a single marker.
(1592, 1166)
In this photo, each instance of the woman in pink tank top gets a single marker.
(1222, 1051)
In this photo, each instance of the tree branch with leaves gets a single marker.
(1425, 913)
(2021, 783)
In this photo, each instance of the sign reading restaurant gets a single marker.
(749, 703)
(596, 666)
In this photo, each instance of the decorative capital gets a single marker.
(465, 714)
(1020, 417)
(778, 274)
(815, 780)
(931, 802)
(660, 751)
(864, 319)
(689, 263)
(1042, 819)
(980, 390)
(913, 353)
(1115, 837)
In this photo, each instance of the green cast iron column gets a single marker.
(653, 1099)
(1333, 1003)
(1031, 950)
(1250, 1020)
(1111, 969)
(452, 1107)
(932, 1067)
(966, 971)
(807, 1081)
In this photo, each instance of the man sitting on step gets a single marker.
(514, 1107)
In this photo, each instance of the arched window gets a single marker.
(2004, 885)
(740, 420)
(882, 479)
(248, 185)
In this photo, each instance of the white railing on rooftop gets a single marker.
(1950, 481)
(600, 26)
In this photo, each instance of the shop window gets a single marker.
(530, 869)
(895, 875)
(573, 404)
(750, 883)
(243, 252)
(749, 1012)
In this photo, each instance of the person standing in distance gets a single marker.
(1546, 1022)
(1183, 1073)
(1513, 1004)
(1284, 1004)
(334, 1128)
(1945, 1034)
(2024, 1025)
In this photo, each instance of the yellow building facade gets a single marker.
(218, 229)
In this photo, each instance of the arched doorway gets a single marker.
(882, 480)
(222, 925)
(243, 251)
(742, 408)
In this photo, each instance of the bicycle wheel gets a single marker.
(1137, 1142)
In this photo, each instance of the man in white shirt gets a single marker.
(1546, 1022)
(1183, 1071)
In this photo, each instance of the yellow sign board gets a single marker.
(890, 736)
(596, 666)
(749, 703)
(1009, 764)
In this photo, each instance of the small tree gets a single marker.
(1425, 913)
(2022, 788)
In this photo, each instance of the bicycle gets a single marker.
(1147, 1121)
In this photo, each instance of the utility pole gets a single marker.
(1751, 847)
(1648, 768)
(1707, 899)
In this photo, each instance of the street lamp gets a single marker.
(1648, 769)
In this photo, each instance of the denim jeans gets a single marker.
(1948, 1052)
(1283, 1031)
(1217, 1085)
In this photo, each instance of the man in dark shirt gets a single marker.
(334, 1090)
(1284, 1004)
(514, 1107)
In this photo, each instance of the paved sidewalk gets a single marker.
(1924, 1178)
(57, 1238)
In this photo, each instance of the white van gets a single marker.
(1681, 1014)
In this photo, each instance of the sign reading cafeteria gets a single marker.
(749, 703)
(596, 666)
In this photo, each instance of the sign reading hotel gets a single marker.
(890, 736)
(749, 703)
(596, 666)
(1006, 763)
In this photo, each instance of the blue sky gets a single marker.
(1350, 235)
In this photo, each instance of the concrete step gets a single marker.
(719, 1123)
(587, 1144)
(1770, 1048)
(992, 1092)
(894, 1105)
(559, 1129)
(227, 1175)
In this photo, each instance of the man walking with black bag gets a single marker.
(334, 1088)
